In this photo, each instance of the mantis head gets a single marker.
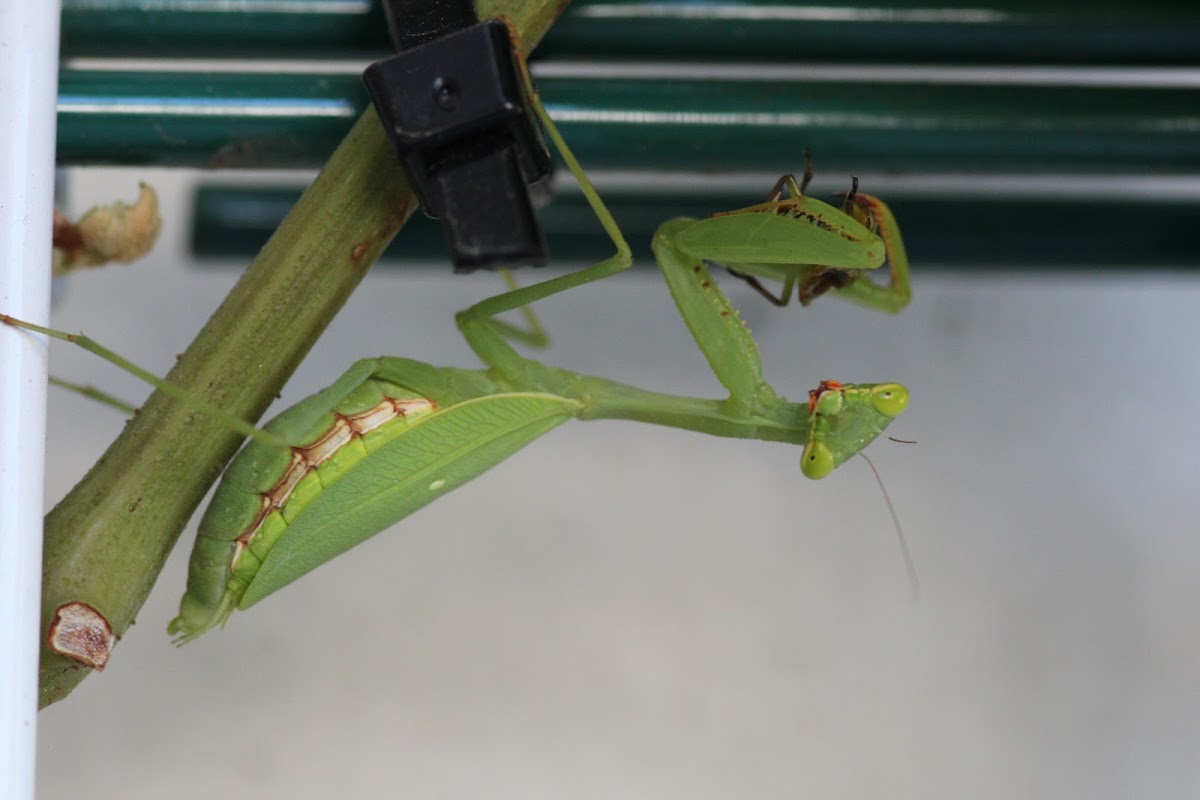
(845, 418)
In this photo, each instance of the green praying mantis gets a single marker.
(393, 434)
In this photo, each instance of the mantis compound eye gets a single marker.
(816, 461)
(889, 399)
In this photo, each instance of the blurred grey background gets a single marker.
(626, 611)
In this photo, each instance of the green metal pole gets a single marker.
(1031, 231)
(661, 121)
(1050, 32)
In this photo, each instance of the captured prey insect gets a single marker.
(828, 270)
(393, 434)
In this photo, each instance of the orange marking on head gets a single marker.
(814, 395)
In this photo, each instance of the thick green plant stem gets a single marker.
(106, 542)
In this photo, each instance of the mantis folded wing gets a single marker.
(393, 434)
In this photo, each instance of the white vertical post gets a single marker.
(28, 89)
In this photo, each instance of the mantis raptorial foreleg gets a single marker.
(393, 434)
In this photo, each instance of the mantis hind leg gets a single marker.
(533, 334)
(487, 335)
(183, 395)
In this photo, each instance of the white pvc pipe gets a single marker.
(28, 90)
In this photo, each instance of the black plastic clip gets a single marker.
(453, 104)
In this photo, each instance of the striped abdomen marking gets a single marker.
(281, 502)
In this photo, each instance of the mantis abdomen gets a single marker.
(365, 453)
